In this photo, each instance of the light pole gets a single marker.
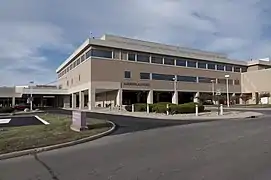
(175, 89)
(213, 89)
(31, 95)
(227, 87)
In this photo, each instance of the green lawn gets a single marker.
(58, 131)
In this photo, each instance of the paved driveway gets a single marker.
(128, 124)
(235, 150)
(19, 121)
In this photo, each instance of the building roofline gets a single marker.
(151, 47)
(75, 53)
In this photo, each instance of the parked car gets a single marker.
(21, 107)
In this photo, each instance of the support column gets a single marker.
(196, 97)
(73, 100)
(150, 97)
(175, 97)
(119, 97)
(81, 99)
(91, 98)
(13, 101)
(66, 102)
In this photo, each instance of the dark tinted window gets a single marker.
(228, 68)
(205, 80)
(83, 58)
(244, 69)
(143, 58)
(127, 74)
(220, 67)
(187, 78)
(131, 56)
(165, 77)
(191, 63)
(144, 75)
(88, 54)
(236, 82)
(180, 62)
(211, 66)
(202, 65)
(169, 61)
(237, 69)
(157, 59)
(101, 53)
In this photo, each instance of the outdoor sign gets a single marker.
(136, 84)
(79, 121)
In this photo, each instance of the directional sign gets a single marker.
(218, 92)
(4, 121)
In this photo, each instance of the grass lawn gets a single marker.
(58, 131)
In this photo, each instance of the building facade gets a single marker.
(116, 71)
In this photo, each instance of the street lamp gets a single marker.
(213, 89)
(227, 87)
(175, 89)
(31, 95)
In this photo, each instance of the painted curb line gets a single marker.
(57, 146)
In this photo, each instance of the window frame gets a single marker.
(130, 74)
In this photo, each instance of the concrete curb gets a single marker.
(57, 146)
(245, 115)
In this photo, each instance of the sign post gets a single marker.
(78, 121)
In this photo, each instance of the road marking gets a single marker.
(41, 120)
(4, 121)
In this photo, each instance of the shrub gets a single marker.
(162, 108)
(6, 110)
(138, 107)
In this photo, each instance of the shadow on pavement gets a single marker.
(127, 124)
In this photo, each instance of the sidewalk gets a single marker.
(202, 116)
(241, 108)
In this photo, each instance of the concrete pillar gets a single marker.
(66, 102)
(91, 98)
(150, 97)
(73, 100)
(196, 97)
(119, 97)
(81, 99)
(13, 101)
(175, 97)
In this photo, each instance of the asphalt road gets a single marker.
(128, 124)
(234, 149)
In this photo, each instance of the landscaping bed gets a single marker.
(162, 108)
(58, 131)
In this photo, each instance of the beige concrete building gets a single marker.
(118, 71)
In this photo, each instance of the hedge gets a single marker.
(162, 108)
(6, 110)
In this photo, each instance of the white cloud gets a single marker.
(28, 27)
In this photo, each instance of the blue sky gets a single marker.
(36, 36)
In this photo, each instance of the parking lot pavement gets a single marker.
(19, 121)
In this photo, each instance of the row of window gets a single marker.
(184, 62)
(156, 59)
(169, 77)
